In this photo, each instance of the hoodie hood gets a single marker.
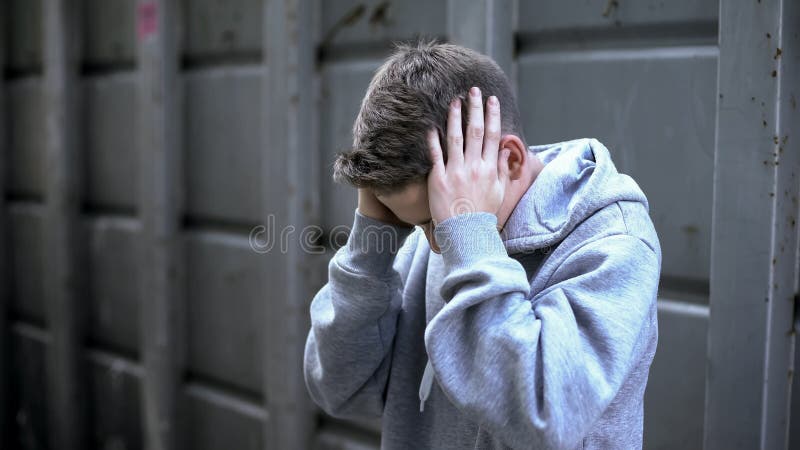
(577, 180)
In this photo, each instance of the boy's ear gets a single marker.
(518, 156)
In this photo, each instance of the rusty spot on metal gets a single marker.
(774, 261)
(610, 7)
(774, 73)
(771, 194)
(785, 140)
(775, 139)
(769, 36)
(353, 15)
(793, 102)
(347, 20)
(764, 122)
(778, 52)
(690, 229)
(228, 37)
(380, 15)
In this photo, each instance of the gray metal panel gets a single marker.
(654, 110)
(343, 87)
(227, 296)
(675, 395)
(26, 257)
(29, 403)
(222, 28)
(754, 250)
(161, 195)
(336, 439)
(351, 22)
(546, 15)
(224, 144)
(115, 282)
(108, 31)
(486, 26)
(219, 421)
(25, 130)
(24, 21)
(114, 401)
(794, 424)
(110, 131)
(64, 277)
(5, 244)
(290, 165)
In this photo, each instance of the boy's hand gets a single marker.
(474, 179)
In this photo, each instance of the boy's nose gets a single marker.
(428, 229)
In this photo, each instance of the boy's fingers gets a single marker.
(502, 167)
(491, 142)
(474, 139)
(435, 151)
(455, 142)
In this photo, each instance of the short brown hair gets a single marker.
(408, 95)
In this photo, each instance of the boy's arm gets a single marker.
(353, 319)
(538, 373)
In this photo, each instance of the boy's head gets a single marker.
(408, 95)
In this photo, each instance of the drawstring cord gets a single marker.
(425, 385)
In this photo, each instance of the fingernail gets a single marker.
(493, 101)
(456, 103)
(474, 91)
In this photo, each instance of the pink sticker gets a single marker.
(147, 23)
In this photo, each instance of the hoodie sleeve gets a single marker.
(353, 319)
(538, 373)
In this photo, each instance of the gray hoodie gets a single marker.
(537, 337)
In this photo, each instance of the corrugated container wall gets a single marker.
(148, 145)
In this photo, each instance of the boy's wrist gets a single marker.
(465, 238)
(372, 244)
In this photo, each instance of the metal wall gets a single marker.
(160, 134)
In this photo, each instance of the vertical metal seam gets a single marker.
(756, 388)
(5, 347)
(63, 284)
(772, 245)
(161, 331)
(289, 53)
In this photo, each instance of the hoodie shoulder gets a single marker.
(579, 179)
(638, 224)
